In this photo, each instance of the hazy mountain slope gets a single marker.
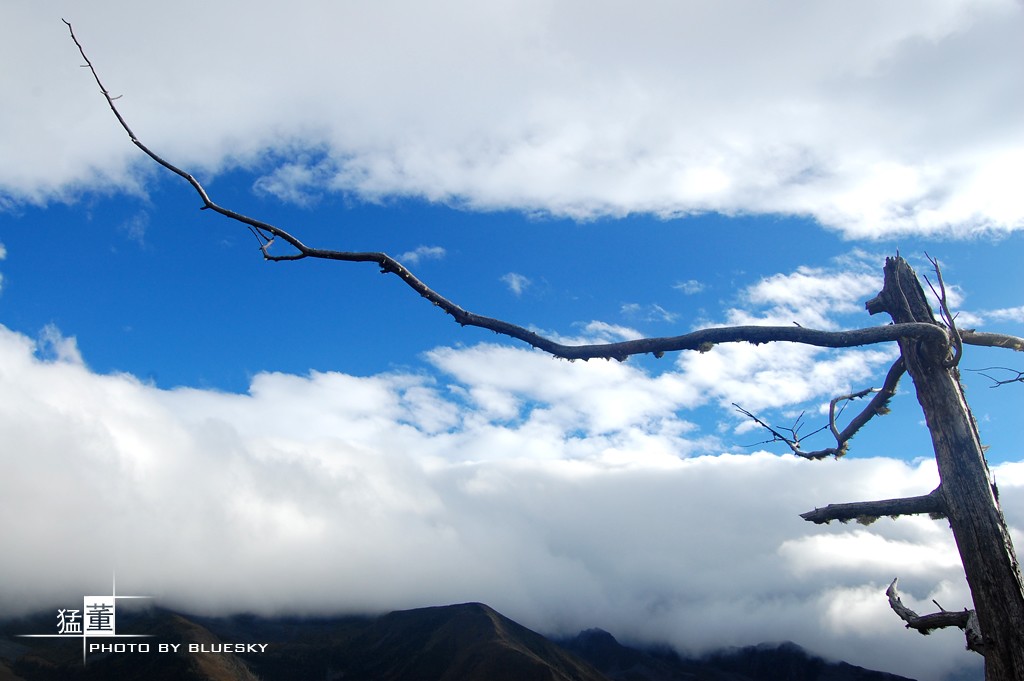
(785, 662)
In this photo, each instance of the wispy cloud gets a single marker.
(134, 228)
(1007, 314)
(689, 287)
(651, 312)
(300, 182)
(420, 253)
(56, 347)
(517, 283)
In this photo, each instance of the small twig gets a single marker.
(957, 351)
(1019, 378)
(793, 442)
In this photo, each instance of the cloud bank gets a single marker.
(580, 500)
(872, 118)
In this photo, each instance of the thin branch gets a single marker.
(866, 512)
(879, 405)
(793, 440)
(926, 624)
(957, 349)
(876, 407)
(701, 340)
(1019, 378)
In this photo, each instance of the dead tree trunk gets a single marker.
(968, 494)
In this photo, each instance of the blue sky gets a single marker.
(295, 436)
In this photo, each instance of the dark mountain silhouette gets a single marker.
(468, 642)
(766, 662)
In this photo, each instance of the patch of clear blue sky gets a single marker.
(177, 296)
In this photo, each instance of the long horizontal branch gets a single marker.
(992, 340)
(869, 511)
(926, 624)
(698, 340)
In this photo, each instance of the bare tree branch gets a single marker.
(957, 350)
(926, 624)
(992, 340)
(1019, 378)
(793, 440)
(877, 406)
(701, 340)
(866, 512)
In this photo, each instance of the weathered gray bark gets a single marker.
(869, 511)
(970, 500)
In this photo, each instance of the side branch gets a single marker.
(866, 512)
(996, 382)
(957, 349)
(701, 340)
(926, 624)
(992, 340)
(876, 407)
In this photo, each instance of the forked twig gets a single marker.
(957, 349)
(876, 407)
(1019, 378)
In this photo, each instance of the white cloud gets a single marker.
(564, 494)
(53, 345)
(598, 397)
(420, 253)
(651, 312)
(689, 287)
(299, 182)
(1009, 314)
(813, 296)
(602, 332)
(874, 118)
(782, 375)
(517, 283)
